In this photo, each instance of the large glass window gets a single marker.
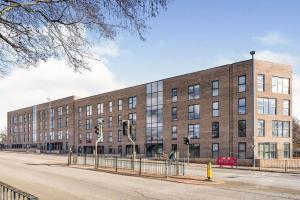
(215, 129)
(215, 109)
(266, 106)
(242, 83)
(280, 85)
(280, 129)
(242, 150)
(242, 128)
(215, 150)
(194, 92)
(132, 102)
(261, 128)
(194, 131)
(260, 82)
(267, 150)
(174, 132)
(242, 106)
(194, 112)
(174, 95)
(286, 107)
(215, 88)
(154, 112)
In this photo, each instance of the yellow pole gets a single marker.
(209, 172)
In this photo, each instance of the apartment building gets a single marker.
(242, 109)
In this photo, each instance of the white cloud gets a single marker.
(284, 58)
(272, 38)
(296, 96)
(23, 88)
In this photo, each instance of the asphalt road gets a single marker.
(41, 176)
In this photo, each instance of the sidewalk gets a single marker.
(194, 180)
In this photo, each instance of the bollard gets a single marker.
(209, 172)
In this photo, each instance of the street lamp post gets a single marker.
(253, 109)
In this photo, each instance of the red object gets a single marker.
(226, 161)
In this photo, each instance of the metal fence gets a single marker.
(140, 166)
(288, 165)
(10, 193)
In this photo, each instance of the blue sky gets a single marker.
(197, 34)
(191, 35)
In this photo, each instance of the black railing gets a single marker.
(8, 192)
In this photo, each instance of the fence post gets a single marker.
(177, 168)
(166, 168)
(116, 163)
(183, 168)
(140, 172)
(85, 159)
(285, 165)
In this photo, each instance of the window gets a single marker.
(120, 104)
(280, 129)
(132, 102)
(110, 104)
(59, 122)
(88, 110)
(51, 123)
(260, 82)
(67, 109)
(100, 108)
(174, 132)
(80, 111)
(242, 106)
(267, 150)
(132, 118)
(67, 134)
(120, 120)
(280, 85)
(194, 112)
(52, 113)
(120, 135)
(242, 83)
(242, 128)
(110, 122)
(242, 150)
(194, 92)
(59, 135)
(59, 111)
(286, 148)
(215, 88)
(194, 131)
(174, 147)
(286, 107)
(267, 106)
(52, 136)
(215, 129)
(99, 120)
(67, 121)
(89, 137)
(215, 150)
(80, 137)
(110, 139)
(89, 124)
(174, 113)
(261, 128)
(174, 95)
(215, 109)
(194, 150)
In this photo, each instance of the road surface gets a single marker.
(42, 176)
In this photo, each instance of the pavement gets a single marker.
(47, 177)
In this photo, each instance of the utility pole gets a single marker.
(99, 133)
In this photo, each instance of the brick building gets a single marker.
(232, 110)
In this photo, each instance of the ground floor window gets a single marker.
(215, 150)
(194, 150)
(242, 150)
(174, 147)
(267, 150)
(286, 150)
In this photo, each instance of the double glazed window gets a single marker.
(215, 150)
(194, 92)
(286, 148)
(194, 131)
(89, 124)
(280, 129)
(280, 85)
(242, 106)
(194, 112)
(266, 106)
(286, 107)
(261, 128)
(174, 113)
(120, 104)
(242, 83)
(110, 104)
(267, 150)
(174, 132)
(215, 109)
(89, 110)
(174, 95)
(260, 82)
(215, 88)
(89, 137)
(131, 102)
(242, 128)
(132, 118)
(100, 108)
(242, 150)
(59, 111)
(215, 129)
